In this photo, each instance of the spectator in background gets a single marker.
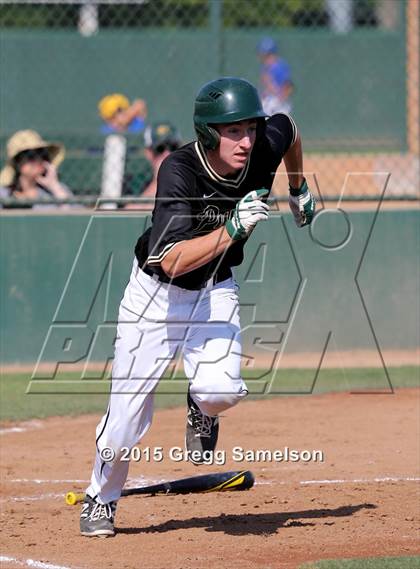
(31, 169)
(119, 115)
(160, 139)
(276, 82)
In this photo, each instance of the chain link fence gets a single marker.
(349, 70)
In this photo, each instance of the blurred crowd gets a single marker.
(31, 170)
(30, 176)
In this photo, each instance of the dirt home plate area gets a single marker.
(361, 501)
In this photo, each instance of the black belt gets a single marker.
(222, 274)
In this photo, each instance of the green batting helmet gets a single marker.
(225, 100)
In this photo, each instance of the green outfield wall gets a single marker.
(350, 89)
(351, 281)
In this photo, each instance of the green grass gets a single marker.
(371, 563)
(68, 395)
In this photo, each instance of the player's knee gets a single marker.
(213, 402)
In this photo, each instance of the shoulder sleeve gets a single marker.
(172, 215)
(282, 132)
(282, 72)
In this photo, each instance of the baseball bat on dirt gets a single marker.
(216, 482)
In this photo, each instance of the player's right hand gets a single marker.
(302, 204)
(247, 213)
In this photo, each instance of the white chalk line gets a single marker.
(141, 482)
(342, 481)
(32, 498)
(131, 482)
(30, 563)
(22, 427)
(364, 480)
(12, 430)
(47, 481)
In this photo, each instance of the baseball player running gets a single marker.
(182, 295)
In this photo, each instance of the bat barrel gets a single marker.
(215, 482)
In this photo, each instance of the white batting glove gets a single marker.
(247, 213)
(302, 203)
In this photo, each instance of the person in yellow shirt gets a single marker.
(119, 115)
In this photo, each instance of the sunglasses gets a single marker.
(40, 154)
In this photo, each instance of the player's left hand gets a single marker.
(302, 203)
(248, 212)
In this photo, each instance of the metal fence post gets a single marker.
(216, 26)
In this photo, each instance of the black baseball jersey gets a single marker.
(193, 200)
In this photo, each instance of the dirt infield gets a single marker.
(361, 501)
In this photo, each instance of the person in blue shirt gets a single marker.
(276, 82)
(120, 116)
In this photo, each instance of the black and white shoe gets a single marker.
(97, 519)
(201, 434)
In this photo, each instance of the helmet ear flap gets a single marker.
(214, 137)
(207, 135)
(261, 124)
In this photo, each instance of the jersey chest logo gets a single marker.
(211, 218)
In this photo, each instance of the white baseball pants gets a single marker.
(155, 321)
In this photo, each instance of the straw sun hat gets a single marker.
(28, 140)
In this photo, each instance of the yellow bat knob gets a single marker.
(72, 498)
